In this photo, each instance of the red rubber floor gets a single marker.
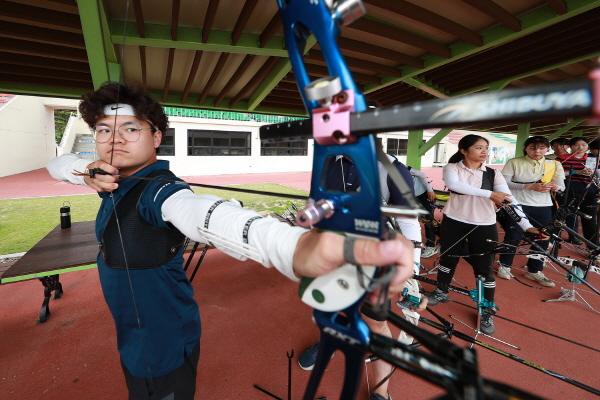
(251, 318)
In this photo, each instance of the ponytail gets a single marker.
(456, 157)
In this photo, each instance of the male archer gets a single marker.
(145, 214)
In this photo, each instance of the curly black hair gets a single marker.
(145, 107)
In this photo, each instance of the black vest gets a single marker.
(146, 246)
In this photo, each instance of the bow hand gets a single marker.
(100, 176)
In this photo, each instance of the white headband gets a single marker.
(119, 109)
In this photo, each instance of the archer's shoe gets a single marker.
(430, 251)
(486, 325)
(437, 296)
(308, 358)
(540, 278)
(504, 272)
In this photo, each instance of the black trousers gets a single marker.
(428, 219)
(586, 199)
(179, 384)
(473, 247)
(539, 217)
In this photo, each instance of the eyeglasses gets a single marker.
(129, 133)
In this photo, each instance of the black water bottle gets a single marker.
(65, 215)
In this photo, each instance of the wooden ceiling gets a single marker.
(229, 54)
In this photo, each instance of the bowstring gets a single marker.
(112, 153)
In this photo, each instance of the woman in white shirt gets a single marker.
(531, 179)
(469, 226)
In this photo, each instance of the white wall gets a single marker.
(182, 164)
(27, 133)
(507, 147)
(76, 126)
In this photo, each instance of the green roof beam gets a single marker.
(500, 84)
(531, 21)
(191, 39)
(577, 134)
(41, 90)
(280, 71)
(435, 139)
(427, 87)
(566, 128)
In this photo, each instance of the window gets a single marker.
(397, 147)
(440, 153)
(167, 145)
(279, 147)
(218, 143)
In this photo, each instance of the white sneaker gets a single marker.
(430, 251)
(540, 278)
(504, 272)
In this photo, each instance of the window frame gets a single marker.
(216, 146)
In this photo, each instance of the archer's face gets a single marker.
(128, 143)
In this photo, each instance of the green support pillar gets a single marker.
(102, 67)
(522, 135)
(114, 72)
(413, 154)
(577, 134)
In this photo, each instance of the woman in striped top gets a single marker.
(468, 229)
(581, 192)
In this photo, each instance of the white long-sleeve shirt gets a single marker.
(470, 203)
(422, 183)
(274, 241)
(61, 168)
(409, 227)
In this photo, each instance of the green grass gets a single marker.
(24, 222)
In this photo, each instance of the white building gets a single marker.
(198, 142)
(27, 132)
